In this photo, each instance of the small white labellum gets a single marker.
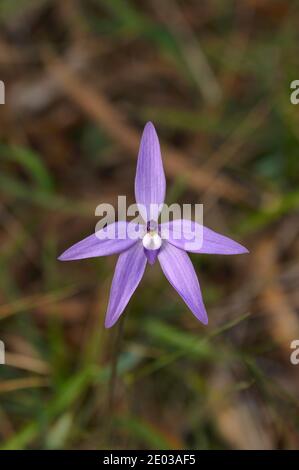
(152, 241)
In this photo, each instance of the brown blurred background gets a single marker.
(82, 78)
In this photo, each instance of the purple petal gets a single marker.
(115, 238)
(151, 255)
(150, 182)
(128, 273)
(196, 238)
(179, 271)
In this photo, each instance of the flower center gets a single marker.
(152, 240)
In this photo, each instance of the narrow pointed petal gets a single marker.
(150, 182)
(195, 238)
(112, 239)
(180, 272)
(128, 274)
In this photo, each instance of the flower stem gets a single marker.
(114, 363)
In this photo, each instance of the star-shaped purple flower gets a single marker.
(169, 242)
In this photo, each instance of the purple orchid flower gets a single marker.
(150, 244)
